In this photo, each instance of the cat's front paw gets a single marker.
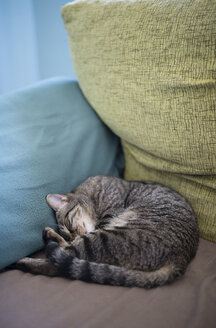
(47, 234)
(50, 235)
(54, 246)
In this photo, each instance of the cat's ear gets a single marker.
(56, 201)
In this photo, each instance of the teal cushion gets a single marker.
(50, 141)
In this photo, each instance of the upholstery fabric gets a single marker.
(29, 301)
(50, 140)
(148, 68)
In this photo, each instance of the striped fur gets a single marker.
(121, 233)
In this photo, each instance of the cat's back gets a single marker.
(162, 212)
(158, 200)
(143, 216)
(156, 196)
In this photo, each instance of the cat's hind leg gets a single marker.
(36, 266)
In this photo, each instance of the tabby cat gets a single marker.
(118, 232)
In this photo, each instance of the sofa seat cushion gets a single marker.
(29, 301)
(148, 69)
(51, 140)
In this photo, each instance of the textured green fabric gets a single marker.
(148, 68)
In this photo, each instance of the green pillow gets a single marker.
(148, 68)
(50, 140)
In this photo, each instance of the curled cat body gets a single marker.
(117, 232)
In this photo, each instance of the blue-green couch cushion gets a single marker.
(50, 141)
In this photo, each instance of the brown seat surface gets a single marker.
(38, 301)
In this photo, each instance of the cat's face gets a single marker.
(73, 217)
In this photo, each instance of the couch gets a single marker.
(149, 75)
(40, 301)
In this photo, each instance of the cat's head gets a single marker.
(74, 215)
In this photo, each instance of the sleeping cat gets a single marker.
(118, 232)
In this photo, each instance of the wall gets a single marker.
(33, 43)
(52, 43)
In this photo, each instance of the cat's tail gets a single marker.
(74, 268)
(119, 276)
